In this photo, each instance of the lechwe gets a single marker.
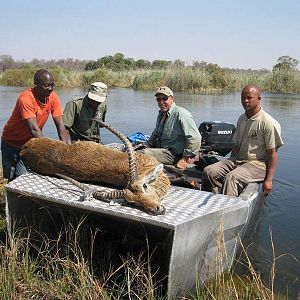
(139, 177)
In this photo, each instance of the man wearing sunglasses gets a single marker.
(28, 118)
(176, 138)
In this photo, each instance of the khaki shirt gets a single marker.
(255, 136)
(77, 118)
(179, 133)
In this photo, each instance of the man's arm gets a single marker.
(271, 168)
(33, 127)
(153, 139)
(193, 142)
(63, 133)
(104, 114)
(234, 151)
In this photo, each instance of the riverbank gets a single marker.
(187, 79)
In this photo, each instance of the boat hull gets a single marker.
(197, 228)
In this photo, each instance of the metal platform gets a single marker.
(190, 228)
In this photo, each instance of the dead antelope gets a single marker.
(139, 177)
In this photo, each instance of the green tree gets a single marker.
(116, 62)
(178, 63)
(142, 64)
(91, 65)
(286, 63)
(219, 78)
(161, 64)
(199, 65)
(6, 62)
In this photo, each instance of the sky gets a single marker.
(231, 33)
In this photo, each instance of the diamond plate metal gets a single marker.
(182, 204)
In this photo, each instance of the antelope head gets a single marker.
(139, 190)
(143, 194)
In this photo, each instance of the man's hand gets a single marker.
(267, 187)
(184, 161)
(63, 133)
(271, 167)
(65, 137)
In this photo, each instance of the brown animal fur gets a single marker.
(92, 162)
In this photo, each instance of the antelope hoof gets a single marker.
(159, 210)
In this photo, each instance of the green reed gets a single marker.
(189, 79)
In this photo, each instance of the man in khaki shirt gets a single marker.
(254, 156)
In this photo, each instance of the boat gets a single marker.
(185, 240)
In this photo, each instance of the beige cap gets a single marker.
(98, 91)
(164, 90)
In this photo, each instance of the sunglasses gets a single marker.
(162, 98)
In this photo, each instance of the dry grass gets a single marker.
(3, 181)
(2, 202)
(39, 268)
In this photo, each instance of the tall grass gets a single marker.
(2, 203)
(59, 270)
(240, 79)
(18, 77)
(24, 77)
(179, 79)
(35, 267)
(188, 79)
(66, 78)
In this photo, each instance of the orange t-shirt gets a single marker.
(15, 132)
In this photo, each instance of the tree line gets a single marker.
(120, 71)
(118, 62)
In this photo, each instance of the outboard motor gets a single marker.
(216, 137)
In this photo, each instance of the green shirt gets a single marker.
(179, 133)
(77, 118)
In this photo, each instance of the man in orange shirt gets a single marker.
(27, 121)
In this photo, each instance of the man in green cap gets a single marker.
(78, 114)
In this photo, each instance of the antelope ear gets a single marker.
(151, 176)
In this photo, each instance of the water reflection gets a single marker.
(131, 111)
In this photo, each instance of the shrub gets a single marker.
(18, 77)
(98, 75)
(283, 81)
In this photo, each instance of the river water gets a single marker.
(131, 111)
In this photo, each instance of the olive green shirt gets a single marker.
(179, 133)
(77, 118)
(255, 136)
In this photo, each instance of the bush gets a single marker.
(18, 77)
(283, 81)
(66, 78)
(98, 75)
